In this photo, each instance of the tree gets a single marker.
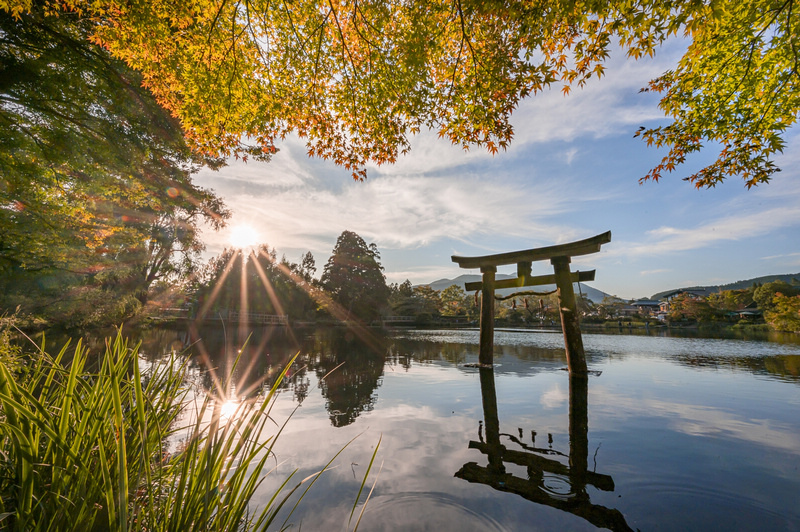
(785, 313)
(427, 300)
(96, 195)
(306, 268)
(731, 300)
(256, 281)
(401, 299)
(688, 306)
(356, 79)
(455, 302)
(765, 294)
(353, 277)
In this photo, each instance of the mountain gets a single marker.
(594, 295)
(791, 278)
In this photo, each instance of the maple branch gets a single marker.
(464, 33)
(213, 24)
(458, 59)
(772, 99)
(344, 70)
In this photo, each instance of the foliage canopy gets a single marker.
(356, 79)
(95, 176)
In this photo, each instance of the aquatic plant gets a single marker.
(84, 446)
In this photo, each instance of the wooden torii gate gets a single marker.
(560, 257)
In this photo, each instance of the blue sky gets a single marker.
(571, 172)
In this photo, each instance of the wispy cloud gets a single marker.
(654, 272)
(783, 256)
(569, 155)
(401, 212)
(669, 239)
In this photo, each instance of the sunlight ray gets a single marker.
(204, 357)
(273, 297)
(215, 292)
(244, 304)
(336, 310)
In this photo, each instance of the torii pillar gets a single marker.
(560, 258)
(487, 314)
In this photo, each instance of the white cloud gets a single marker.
(554, 397)
(607, 106)
(734, 227)
(400, 212)
(654, 272)
(569, 155)
(284, 170)
(782, 256)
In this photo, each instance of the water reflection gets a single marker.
(349, 371)
(249, 365)
(783, 367)
(698, 434)
(549, 481)
(346, 369)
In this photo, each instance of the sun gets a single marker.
(243, 236)
(228, 410)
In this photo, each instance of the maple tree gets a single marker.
(357, 78)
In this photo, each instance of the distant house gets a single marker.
(661, 316)
(627, 310)
(647, 307)
(699, 293)
(751, 311)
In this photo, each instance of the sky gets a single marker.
(571, 172)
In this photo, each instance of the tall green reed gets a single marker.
(84, 447)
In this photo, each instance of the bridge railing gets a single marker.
(258, 317)
(397, 318)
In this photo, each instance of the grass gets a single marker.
(84, 447)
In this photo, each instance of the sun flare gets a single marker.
(243, 236)
(228, 410)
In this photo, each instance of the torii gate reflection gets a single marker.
(576, 474)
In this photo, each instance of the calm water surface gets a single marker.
(669, 434)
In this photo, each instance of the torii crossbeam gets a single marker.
(560, 257)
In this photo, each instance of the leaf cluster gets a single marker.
(357, 78)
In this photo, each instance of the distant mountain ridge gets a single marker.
(596, 296)
(738, 285)
(593, 294)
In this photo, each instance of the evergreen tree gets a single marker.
(353, 277)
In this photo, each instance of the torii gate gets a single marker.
(560, 257)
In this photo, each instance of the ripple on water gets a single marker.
(422, 512)
(688, 505)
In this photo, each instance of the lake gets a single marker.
(669, 433)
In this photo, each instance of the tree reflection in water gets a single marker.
(347, 366)
(249, 363)
(549, 481)
(350, 368)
